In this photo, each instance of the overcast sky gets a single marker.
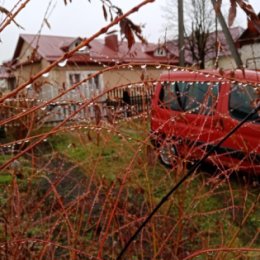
(80, 18)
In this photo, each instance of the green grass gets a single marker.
(5, 179)
(112, 154)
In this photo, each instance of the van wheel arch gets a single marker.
(168, 153)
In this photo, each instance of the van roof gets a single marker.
(212, 75)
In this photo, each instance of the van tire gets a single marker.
(168, 154)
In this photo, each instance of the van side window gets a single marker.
(195, 97)
(242, 100)
(202, 97)
(172, 95)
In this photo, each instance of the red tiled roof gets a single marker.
(224, 48)
(211, 43)
(51, 47)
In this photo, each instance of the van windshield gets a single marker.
(195, 97)
(242, 100)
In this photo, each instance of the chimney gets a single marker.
(111, 42)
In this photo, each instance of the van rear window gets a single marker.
(242, 100)
(195, 97)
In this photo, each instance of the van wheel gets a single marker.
(168, 154)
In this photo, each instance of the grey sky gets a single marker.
(80, 18)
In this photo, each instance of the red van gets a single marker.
(193, 110)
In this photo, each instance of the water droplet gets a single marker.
(45, 75)
(28, 86)
(143, 66)
(158, 67)
(83, 48)
(63, 63)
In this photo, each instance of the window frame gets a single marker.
(253, 102)
(89, 88)
(182, 104)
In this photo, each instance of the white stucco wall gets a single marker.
(224, 62)
(250, 55)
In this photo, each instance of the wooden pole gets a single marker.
(181, 33)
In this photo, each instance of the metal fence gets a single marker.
(120, 103)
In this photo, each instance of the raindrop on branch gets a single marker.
(63, 63)
(82, 48)
(45, 75)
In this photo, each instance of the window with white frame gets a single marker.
(89, 88)
(74, 78)
(160, 52)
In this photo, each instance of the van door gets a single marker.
(243, 147)
(202, 117)
(189, 108)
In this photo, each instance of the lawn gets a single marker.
(90, 187)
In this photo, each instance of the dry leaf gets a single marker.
(127, 32)
(97, 114)
(104, 12)
(5, 11)
(65, 1)
(248, 9)
(47, 23)
(9, 14)
(232, 12)
(218, 5)
(142, 76)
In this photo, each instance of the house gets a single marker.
(35, 52)
(219, 55)
(216, 50)
(249, 45)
